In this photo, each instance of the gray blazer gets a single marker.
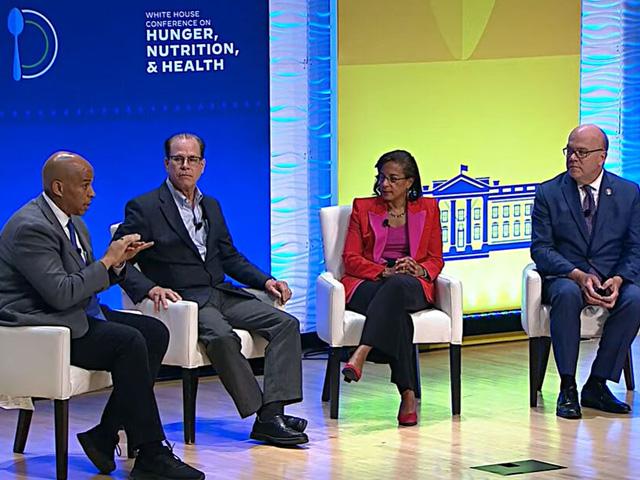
(43, 279)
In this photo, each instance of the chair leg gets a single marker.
(545, 349)
(189, 392)
(455, 363)
(629, 378)
(416, 359)
(327, 378)
(534, 367)
(334, 381)
(22, 430)
(61, 416)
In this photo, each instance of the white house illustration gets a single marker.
(478, 215)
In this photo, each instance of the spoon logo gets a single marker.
(35, 43)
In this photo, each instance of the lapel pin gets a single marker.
(608, 192)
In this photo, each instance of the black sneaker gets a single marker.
(163, 464)
(99, 447)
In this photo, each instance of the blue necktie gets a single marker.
(93, 308)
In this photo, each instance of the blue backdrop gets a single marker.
(99, 96)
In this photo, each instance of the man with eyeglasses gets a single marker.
(192, 252)
(586, 245)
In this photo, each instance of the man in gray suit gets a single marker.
(48, 276)
(192, 253)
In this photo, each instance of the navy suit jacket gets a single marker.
(174, 261)
(560, 241)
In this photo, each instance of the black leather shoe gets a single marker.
(598, 396)
(162, 464)
(568, 406)
(99, 447)
(276, 432)
(296, 423)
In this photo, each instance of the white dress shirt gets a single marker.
(595, 186)
(192, 217)
(63, 218)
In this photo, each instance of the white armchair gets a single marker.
(36, 363)
(535, 322)
(342, 328)
(184, 351)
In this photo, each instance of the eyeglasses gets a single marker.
(392, 179)
(580, 153)
(179, 160)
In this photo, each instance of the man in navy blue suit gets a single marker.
(586, 245)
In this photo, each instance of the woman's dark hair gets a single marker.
(409, 168)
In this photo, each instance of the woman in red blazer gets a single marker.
(392, 256)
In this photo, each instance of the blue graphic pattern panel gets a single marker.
(301, 143)
(610, 79)
(601, 72)
(631, 89)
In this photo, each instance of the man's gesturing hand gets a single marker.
(123, 249)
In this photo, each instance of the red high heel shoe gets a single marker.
(408, 419)
(351, 373)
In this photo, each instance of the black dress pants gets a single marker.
(388, 328)
(131, 347)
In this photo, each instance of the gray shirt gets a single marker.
(192, 217)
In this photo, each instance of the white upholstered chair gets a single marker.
(35, 362)
(184, 351)
(535, 322)
(342, 328)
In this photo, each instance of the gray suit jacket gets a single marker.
(43, 279)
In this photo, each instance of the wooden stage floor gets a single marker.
(365, 443)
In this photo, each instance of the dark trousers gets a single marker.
(131, 347)
(388, 327)
(620, 327)
(282, 361)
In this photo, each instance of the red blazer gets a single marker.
(367, 236)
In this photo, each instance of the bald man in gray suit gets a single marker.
(48, 276)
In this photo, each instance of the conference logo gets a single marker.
(35, 43)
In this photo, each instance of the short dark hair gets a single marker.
(167, 142)
(409, 168)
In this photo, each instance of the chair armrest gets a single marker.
(449, 300)
(330, 306)
(181, 318)
(35, 362)
(531, 300)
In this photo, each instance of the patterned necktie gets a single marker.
(588, 207)
(93, 307)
